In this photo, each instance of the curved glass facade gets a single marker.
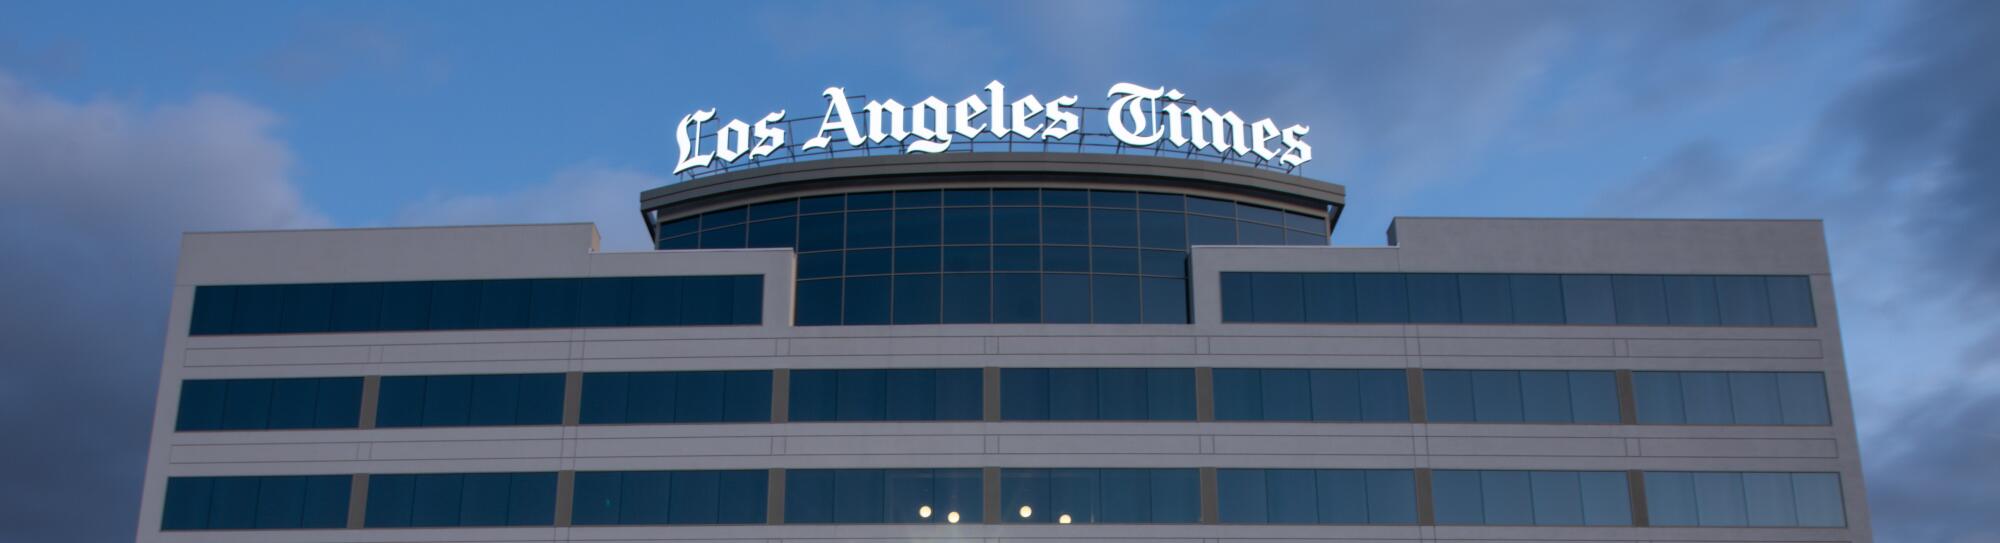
(1004, 255)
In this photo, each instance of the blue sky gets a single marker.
(122, 125)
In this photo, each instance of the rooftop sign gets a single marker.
(1157, 120)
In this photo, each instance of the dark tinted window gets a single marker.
(470, 400)
(1523, 498)
(269, 404)
(461, 499)
(1086, 496)
(669, 497)
(669, 397)
(1323, 395)
(1305, 496)
(480, 304)
(263, 503)
(1096, 394)
(910, 395)
(1521, 396)
(1766, 398)
(875, 496)
(1744, 499)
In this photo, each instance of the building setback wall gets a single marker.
(1421, 245)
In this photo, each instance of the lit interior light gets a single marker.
(1062, 519)
(952, 517)
(1027, 511)
(924, 511)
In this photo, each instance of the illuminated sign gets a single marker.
(1138, 116)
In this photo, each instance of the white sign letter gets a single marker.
(689, 136)
(838, 115)
(1134, 105)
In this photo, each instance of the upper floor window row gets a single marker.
(1579, 397)
(1733, 397)
(1744, 499)
(1447, 298)
(470, 400)
(676, 397)
(1311, 395)
(887, 395)
(999, 216)
(256, 503)
(1097, 394)
(269, 404)
(877, 496)
(478, 304)
(461, 499)
(669, 497)
(1316, 496)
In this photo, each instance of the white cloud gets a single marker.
(94, 196)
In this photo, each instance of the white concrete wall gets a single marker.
(1461, 245)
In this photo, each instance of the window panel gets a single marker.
(857, 496)
(967, 226)
(916, 298)
(652, 397)
(646, 496)
(1743, 301)
(1210, 231)
(1163, 230)
(1670, 499)
(1168, 202)
(247, 404)
(1017, 225)
(1114, 299)
(1538, 299)
(746, 397)
(742, 497)
(1342, 496)
(1705, 397)
(1496, 396)
(1114, 227)
(862, 395)
(1024, 496)
(1545, 396)
(1819, 501)
(1121, 394)
(1385, 395)
(1718, 499)
(1588, 299)
(1448, 396)
(389, 500)
(818, 302)
(1065, 298)
(966, 298)
(483, 499)
(967, 197)
(691, 497)
(1433, 297)
(1768, 500)
(1558, 498)
(869, 229)
(1754, 397)
(1606, 500)
(1392, 496)
(911, 395)
(1238, 394)
(1291, 496)
(1065, 226)
(1791, 301)
(809, 496)
(1508, 496)
(1114, 260)
(232, 503)
(281, 502)
(1126, 493)
(774, 233)
(1176, 495)
(201, 406)
(1017, 297)
(1657, 396)
(1241, 496)
(917, 198)
(1065, 197)
(732, 237)
(1072, 394)
(1336, 395)
(1287, 394)
(1249, 233)
(1277, 297)
(1073, 494)
(447, 400)
(781, 208)
(917, 227)
(1074, 259)
(865, 300)
(1486, 298)
(435, 499)
(822, 232)
(1381, 298)
(1639, 299)
(1593, 397)
(1164, 301)
(960, 394)
(1328, 297)
(1691, 300)
(1028, 197)
(595, 498)
(1802, 397)
(1457, 498)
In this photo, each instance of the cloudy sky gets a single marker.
(122, 126)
